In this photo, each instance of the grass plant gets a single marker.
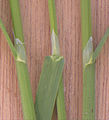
(51, 77)
(89, 58)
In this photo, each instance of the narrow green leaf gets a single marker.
(48, 87)
(100, 45)
(14, 52)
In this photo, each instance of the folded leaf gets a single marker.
(48, 87)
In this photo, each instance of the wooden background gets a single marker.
(36, 28)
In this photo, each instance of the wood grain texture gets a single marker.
(100, 10)
(36, 28)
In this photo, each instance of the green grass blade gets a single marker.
(21, 66)
(48, 87)
(56, 51)
(100, 45)
(14, 52)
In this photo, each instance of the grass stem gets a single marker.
(89, 58)
(21, 64)
(53, 26)
(88, 111)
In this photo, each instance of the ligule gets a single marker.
(48, 86)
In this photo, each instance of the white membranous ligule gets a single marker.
(55, 44)
(88, 53)
(21, 54)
